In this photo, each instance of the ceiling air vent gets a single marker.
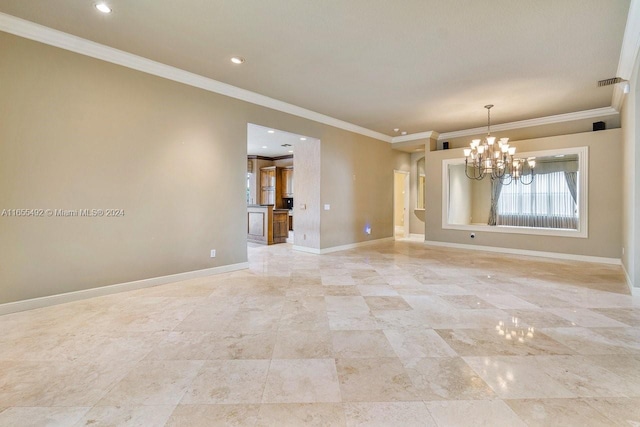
(612, 81)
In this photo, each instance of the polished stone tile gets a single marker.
(302, 381)
(401, 319)
(587, 318)
(348, 304)
(447, 378)
(338, 280)
(228, 381)
(625, 366)
(419, 342)
(506, 301)
(471, 413)
(466, 301)
(621, 411)
(213, 415)
(41, 416)
(361, 344)
(345, 338)
(538, 318)
(301, 414)
(377, 290)
(313, 344)
(559, 412)
(58, 383)
(383, 414)
(517, 377)
(153, 383)
(341, 291)
(628, 316)
(597, 341)
(584, 377)
(102, 346)
(205, 345)
(304, 314)
(352, 320)
(127, 416)
(374, 379)
(381, 303)
(489, 342)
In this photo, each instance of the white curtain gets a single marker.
(546, 203)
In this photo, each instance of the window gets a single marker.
(554, 204)
(547, 202)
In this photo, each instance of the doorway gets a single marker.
(400, 204)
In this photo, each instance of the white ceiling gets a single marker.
(268, 142)
(417, 65)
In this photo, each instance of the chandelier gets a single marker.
(496, 160)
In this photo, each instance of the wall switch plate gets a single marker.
(327, 207)
(213, 253)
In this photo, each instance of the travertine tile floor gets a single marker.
(394, 334)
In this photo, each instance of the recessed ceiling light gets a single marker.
(303, 139)
(404, 133)
(103, 8)
(264, 146)
(271, 131)
(396, 129)
(291, 151)
(237, 59)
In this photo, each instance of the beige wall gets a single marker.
(605, 199)
(460, 196)
(480, 201)
(398, 202)
(80, 133)
(631, 178)
(357, 183)
(416, 217)
(306, 204)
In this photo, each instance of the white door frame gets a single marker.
(406, 198)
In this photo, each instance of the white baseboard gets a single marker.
(341, 248)
(416, 236)
(30, 304)
(306, 249)
(632, 289)
(556, 255)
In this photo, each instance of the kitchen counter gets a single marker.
(266, 225)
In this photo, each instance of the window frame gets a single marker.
(583, 199)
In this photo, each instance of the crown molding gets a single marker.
(630, 41)
(40, 33)
(412, 137)
(559, 118)
(49, 36)
(628, 52)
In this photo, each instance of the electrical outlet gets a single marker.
(213, 253)
(327, 207)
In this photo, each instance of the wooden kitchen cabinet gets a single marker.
(280, 225)
(287, 182)
(271, 186)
